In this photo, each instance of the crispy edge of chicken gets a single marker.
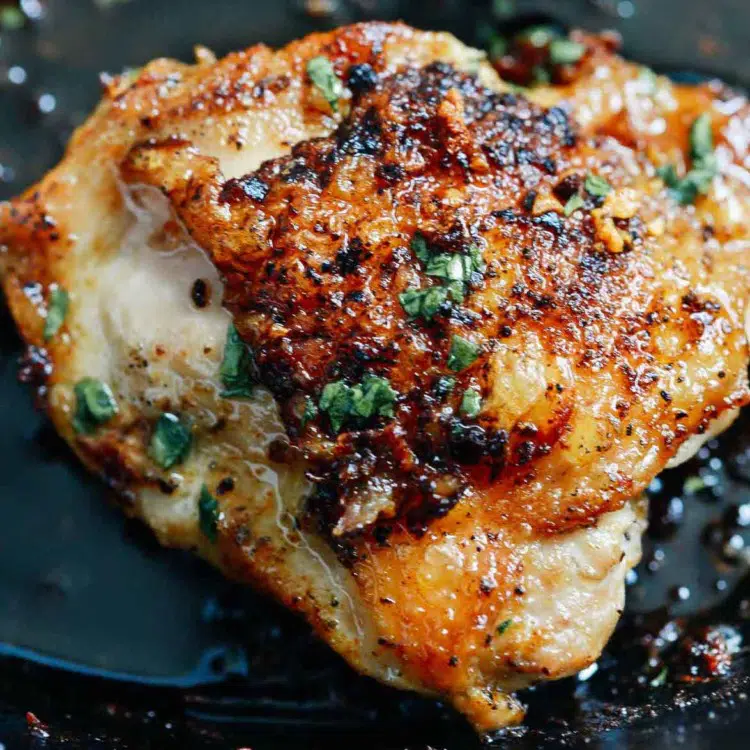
(129, 269)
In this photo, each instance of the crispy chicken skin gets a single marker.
(459, 545)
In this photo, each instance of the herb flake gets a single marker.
(538, 36)
(703, 169)
(574, 203)
(597, 186)
(236, 371)
(57, 309)
(463, 353)
(565, 51)
(310, 411)
(95, 405)
(324, 78)
(660, 679)
(455, 266)
(471, 403)
(170, 441)
(420, 248)
(455, 270)
(503, 626)
(423, 303)
(357, 403)
(208, 514)
(701, 138)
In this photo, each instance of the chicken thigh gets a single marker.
(380, 334)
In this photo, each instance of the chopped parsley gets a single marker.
(420, 248)
(236, 371)
(694, 484)
(703, 168)
(208, 514)
(660, 678)
(95, 404)
(565, 51)
(701, 138)
(310, 411)
(597, 186)
(456, 267)
(170, 441)
(455, 270)
(471, 403)
(424, 302)
(324, 78)
(57, 309)
(538, 36)
(344, 403)
(574, 203)
(503, 626)
(463, 353)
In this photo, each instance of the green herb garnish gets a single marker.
(324, 78)
(57, 309)
(356, 403)
(208, 514)
(660, 678)
(538, 36)
(423, 302)
(454, 269)
(471, 403)
(236, 367)
(462, 354)
(170, 441)
(565, 51)
(503, 626)
(95, 404)
(455, 266)
(574, 203)
(310, 411)
(694, 484)
(597, 186)
(703, 168)
(701, 138)
(420, 248)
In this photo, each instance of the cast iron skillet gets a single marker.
(110, 641)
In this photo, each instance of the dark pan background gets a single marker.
(111, 641)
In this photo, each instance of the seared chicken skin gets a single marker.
(402, 346)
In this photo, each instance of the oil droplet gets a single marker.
(680, 593)
(625, 9)
(17, 75)
(46, 103)
(33, 9)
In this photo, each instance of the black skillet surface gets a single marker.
(111, 641)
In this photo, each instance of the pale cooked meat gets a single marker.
(458, 545)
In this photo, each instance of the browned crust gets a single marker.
(315, 249)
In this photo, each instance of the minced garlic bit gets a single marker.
(620, 204)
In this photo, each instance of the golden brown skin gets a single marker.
(608, 338)
(626, 318)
